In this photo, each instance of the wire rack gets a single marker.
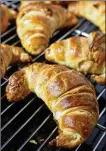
(29, 125)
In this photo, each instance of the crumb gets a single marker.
(33, 142)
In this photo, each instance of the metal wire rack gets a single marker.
(28, 125)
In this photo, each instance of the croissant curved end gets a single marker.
(100, 79)
(17, 88)
(35, 48)
(67, 141)
(26, 58)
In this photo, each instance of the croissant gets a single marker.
(37, 22)
(12, 54)
(93, 11)
(85, 54)
(7, 14)
(67, 93)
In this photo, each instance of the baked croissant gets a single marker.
(85, 54)
(7, 14)
(67, 93)
(10, 55)
(93, 11)
(37, 22)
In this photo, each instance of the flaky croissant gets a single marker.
(11, 55)
(93, 11)
(37, 22)
(67, 93)
(7, 14)
(85, 54)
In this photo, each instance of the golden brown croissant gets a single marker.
(7, 14)
(85, 54)
(37, 22)
(67, 93)
(93, 11)
(10, 55)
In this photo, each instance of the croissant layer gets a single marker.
(67, 93)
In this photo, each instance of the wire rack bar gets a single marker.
(4, 83)
(58, 149)
(3, 96)
(8, 107)
(13, 2)
(99, 141)
(17, 42)
(101, 93)
(29, 119)
(5, 78)
(48, 117)
(78, 147)
(19, 112)
(84, 29)
(9, 4)
(9, 67)
(4, 42)
(101, 127)
(46, 140)
(83, 33)
(103, 111)
(72, 30)
(8, 31)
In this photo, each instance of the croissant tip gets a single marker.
(52, 143)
